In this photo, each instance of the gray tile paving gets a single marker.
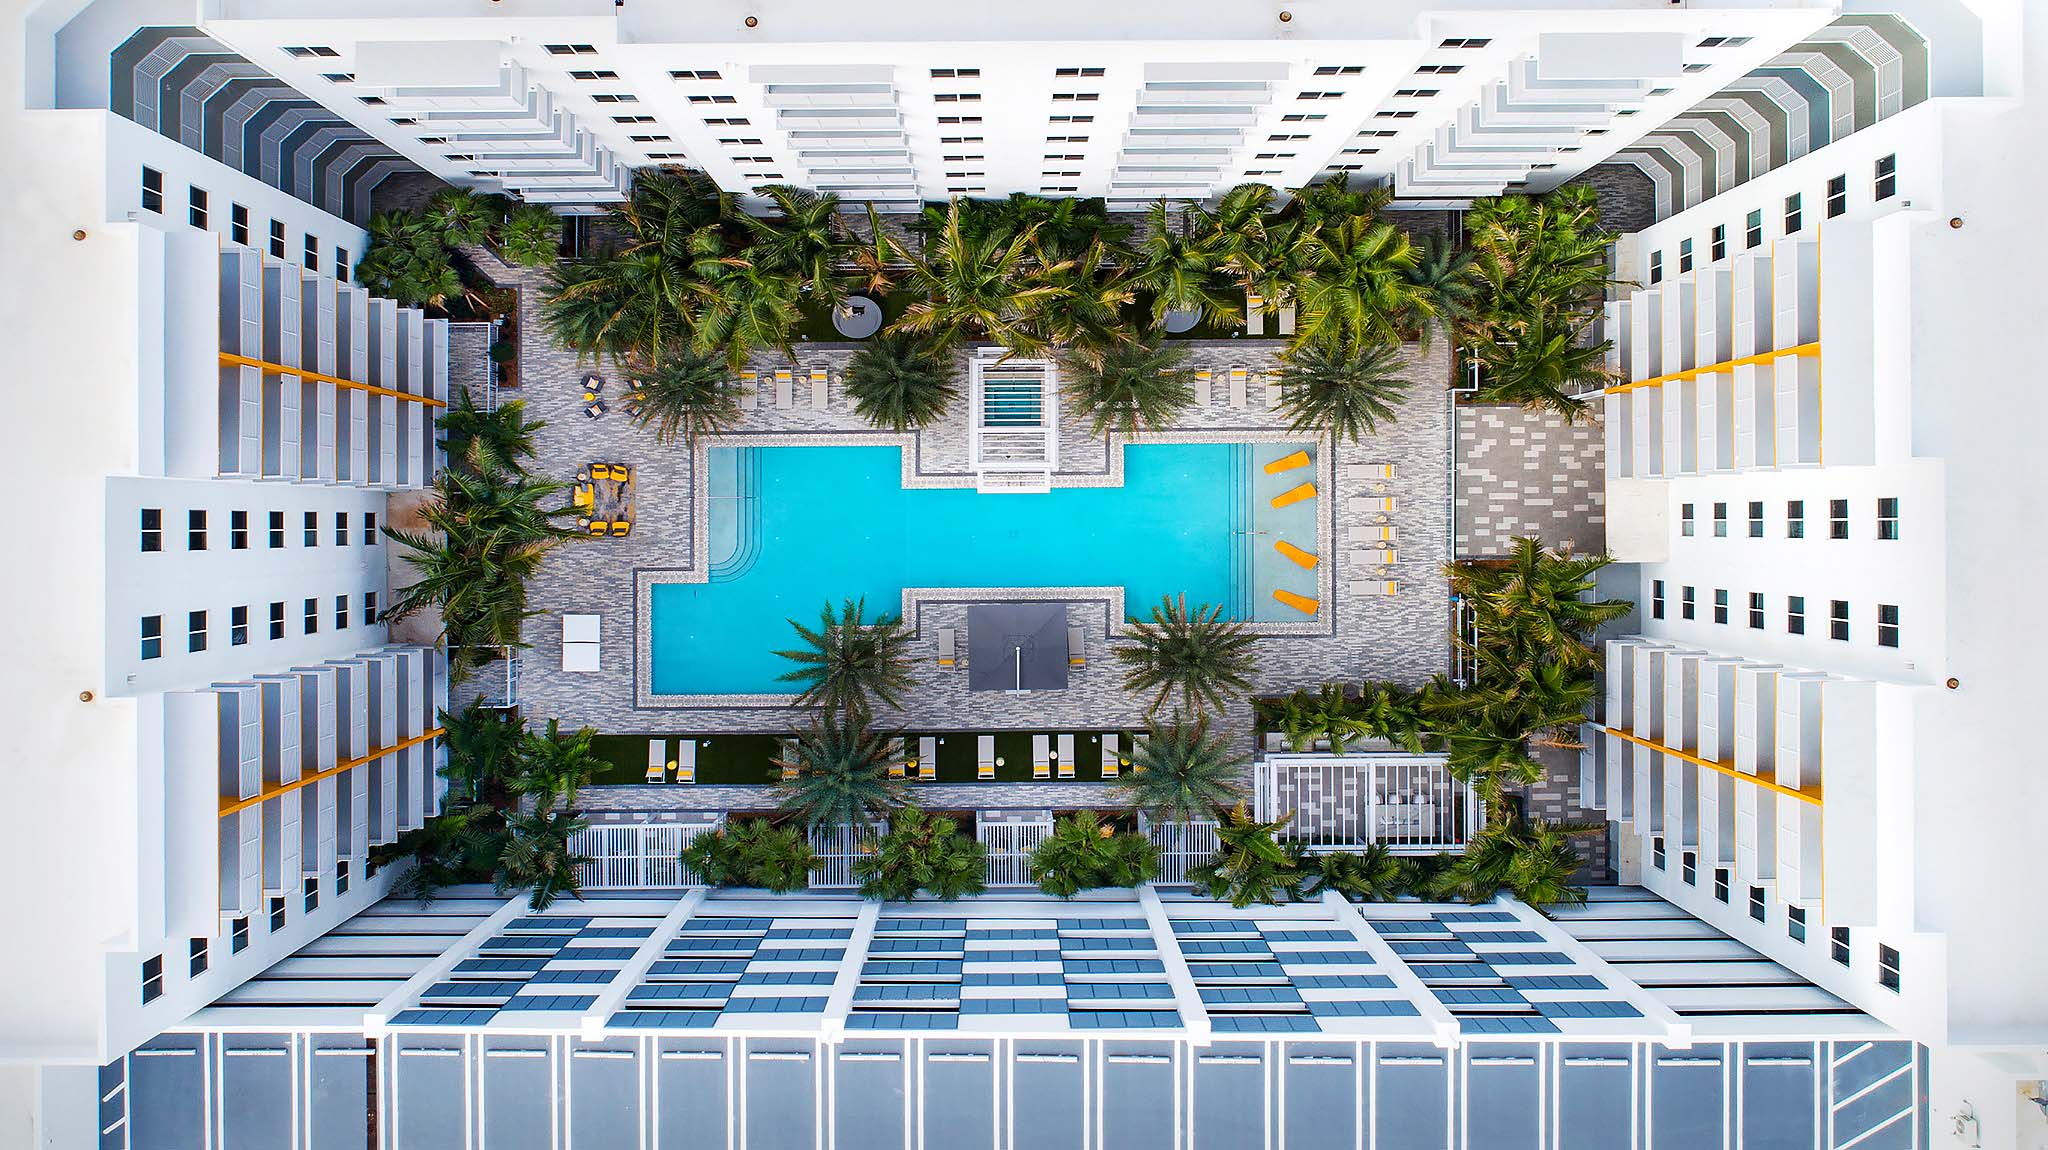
(1529, 473)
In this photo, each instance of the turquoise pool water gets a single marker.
(792, 527)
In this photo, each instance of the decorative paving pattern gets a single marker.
(1529, 473)
(676, 803)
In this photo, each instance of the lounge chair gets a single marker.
(788, 757)
(621, 473)
(821, 388)
(785, 388)
(898, 766)
(1272, 390)
(1301, 603)
(621, 528)
(1254, 314)
(1238, 378)
(1140, 739)
(1066, 745)
(947, 647)
(1288, 463)
(657, 760)
(985, 757)
(686, 761)
(1386, 586)
(1041, 757)
(1380, 533)
(1203, 378)
(1286, 319)
(1295, 495)
(1379, 471)
(595, 409)
(927, 758)
(750, 391)
(1112, 756)
(601, 472)
(582, 642)
(1373, 504)
(1077, 648)
(1386, 557)
(1300, 557)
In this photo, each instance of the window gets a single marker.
(1721, 884)
(1656, 598)
(341, 264)
(277, 913)
(369, 529)
(1838, 619)
(970, 73)
(238, 626)
(1084, 97)
(1320, 95)
(277, 529)
(1795, 614)
(1887, 624)
(1838, 944)
(312, 529)
(1838, 519)
(1753, 230)
(152, 979)
(621, 98)
(277, 238)
(277, 619)
(1657, 852)
(1302, 117)
(1724, 42)
(693, 74)
(1756, 610)
(570, 50)
(1685, 603)
(152, 529)
(1718, 244)
(197, 962)
(1795, 923)
(312, 893)
(1792, 219)
(1887, 183)
(195, 530)
(632, 119)
(1720, 605)
(1838, 195)
(302, 52)
(596, 74)
(1415, 93)
(1887, 968)
(1756, 903)
(1089, 72)
(1684, 256)
(1756, 519)
(1685, 519)
(1339, 69)
(1795, 519)
(1720, 521)
(311, 614)
(341, 529)
(311, 250)
(152, 190)
(195, 206)
(1439, 69)
(340, 877)
(152, 636)
(733, 121)
(341, 612)
(1688, 868)
(957, 97)
(1888, 519)
(195, 631)
(1656, 267)
(238, 530)
(238, 938)
(369, 607)
(1465, 42)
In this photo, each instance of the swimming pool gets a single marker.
(793, 527)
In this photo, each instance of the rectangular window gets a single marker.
(369, 529)
(1685, 603)
(1795, 614)
(276, 914)
(1888, 968)
(1685, 519)
(1656, 598)
(1795, 923)
(195, 530)
(1753, 230)
(1887, 184)
(369, 607)
(238, 626)
(1720, 521)
(1888, 519)
(1838, 944)
(277, 619)
(311, 250)
(341, 529)
(1756, 519)
(1656, 267)
(1756, 903)
(1795, 519)
(238, 530)
(311, 613)
(1721, 884)
(340, 877)
(152, 529)
(1792, 219)
(312, 529)
(152, 979)
(195, 206)
(152, 190)
(1838, 619)
(1688, 868)
(277, 238)
(238, 939)
(1684, 256)
(1720, 605)
(196, 950)
(276, 529)
(1719, 243)
(1465, 42)
(152, 636)
(1756, 610)
(195, 631)
(1657, 852)
(312, 892)
(341, 264)
(1887, 624)
(341, 612)
(1838, 195)
(1838, 519)
(238, 223)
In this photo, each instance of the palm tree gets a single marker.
(530, 236)
(1128, 388)
(900, 383)
(1249, 865)
(1532, 860)
(1543, 367)
(922, 852)
(1180, 774)
(641, 296)
(1335, 199)
(1177, 265)
(1387, 712)
(460, 216)
(1346, 395)
(1444, 274)
(684, 393)
(552, 765)
(1083, 853)
(1086, 313)
(802, 240)
(741, 308)
(1272, 258)
(597, 307)
(841, 774)
(1536, 258)
(539, 858)
(874, 259)
(461, 844)
(1198, 655)
(848, 659)
(483, 747)
(1534, 605)
(1372, 875)
(753, 853)
(985, 287)
(1360, 295)
(484, 441)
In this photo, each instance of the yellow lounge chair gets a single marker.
(1301, 603)
(1041, 757)
(985, 757)
(1379, 471)
(1388, 586)
(897, 763)
(622, 473)
(1065, 749)
(621, 528)
(1287, 463)
(1296, 495)
(1112, 755)
(1295, 553)
(657, 760)
(927, 759)
(686, 761)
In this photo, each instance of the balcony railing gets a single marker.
(1409, 802)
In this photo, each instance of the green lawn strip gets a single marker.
(746, 759)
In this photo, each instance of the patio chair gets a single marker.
(1379, 471)
(1387, 586)
(898, 766)
(785, 388)
(1203, 378)
(621, 528)
(621, 473)
(1254, 314)
(583, 496)
(1066, 745)
(1077, 649)
(1301, 603)
(1041, 757)
(1141, 738)
(1294, 495)
(599, 528)
(821, 388)
(927, 758)
(1286, 319)
(948, 650)
(788, 757)
(750, 393)
(1288, 463)
(686, 761)
(1112, 755)
(595, 410)
(657, 760)
(1238, 376)
(1385, 556)
(1272, 379)
(985, 757)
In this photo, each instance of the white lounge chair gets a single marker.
(1238, 379)
(1077, 649)
(1066, 744)
(788, 757)
(1254, 315)
(1112, 756)
(927, 758)
(1203, 378)
(686, 761)
(1272, 390)
(898, 765)
(1041, 757)
(657, 760)
(948, 648)
(985, 757)
(750, 390)
(1287, 319)
(785, 388)
(821, 388)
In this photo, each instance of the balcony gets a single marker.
(1410, 803)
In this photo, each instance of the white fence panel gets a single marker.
(1181, 845)
(634, 857)
(840, 846)
(1009, 850)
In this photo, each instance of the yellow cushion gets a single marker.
(1296, 495)
(1295, 553)
(1287, 463)
(1301, 603)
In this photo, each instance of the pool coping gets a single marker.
(645, 579)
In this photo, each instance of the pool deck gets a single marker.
(1358, 634)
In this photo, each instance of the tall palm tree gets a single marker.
(1273, 257)
(1182, 774)
(922, 852)
(1177, 266)
(538, 856)
(483, 746)
(1335, 199)
(1443, 273)
(1360, 295)
(989, 287)
(1345, 394)
(1198, 655)
(1083, 853)
(641, 296)
(874, 260)
(685, 393)
(1536, 258)
(484, 441)
(741, 308)
(1534, 604)
(1388, 712)
(841, 774)
(900, 383)
(1129, 388)
(460, 215)
(530, 236)
(553, 766)
(1087, 315)
(595, 307)
(461, 844)
(802, 240)
(1372, 875)
(754, 853)
(1544, 366)
(848, 658)
(1532, 860)
(1250, 865)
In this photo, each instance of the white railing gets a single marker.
(632, 857)
(1181, 845)
(1015, 425)
(840, 846)
(1009, 850)
(1409, 802)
